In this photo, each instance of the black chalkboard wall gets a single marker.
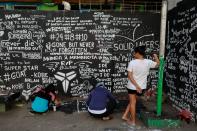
(181, 57)
(68, 48)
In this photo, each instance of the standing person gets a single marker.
(138, 70)
(100, 102)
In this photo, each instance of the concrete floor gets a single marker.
(19, 119)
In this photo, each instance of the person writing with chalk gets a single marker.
(138, 70)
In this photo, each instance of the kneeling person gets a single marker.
(100, 102)
(42, 99)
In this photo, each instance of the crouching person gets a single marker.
(100, 102)
(41, 98)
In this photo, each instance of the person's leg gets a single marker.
(125, 115)
(106, 115)
(111, 106)
(139, 104)
(132, 102)
(95, 115)
(109, 109)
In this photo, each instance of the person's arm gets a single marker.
(110, 95)
(36, 90)
(52, 96)
(156, 59)
(130, 77)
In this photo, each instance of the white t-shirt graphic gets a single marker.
(140, 69)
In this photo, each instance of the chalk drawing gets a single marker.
(65, 78)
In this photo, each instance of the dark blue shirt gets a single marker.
(98, 98)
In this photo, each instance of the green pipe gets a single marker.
(160, 86)
(161, 55)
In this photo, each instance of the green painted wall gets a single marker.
(40, 6)
(47, 7)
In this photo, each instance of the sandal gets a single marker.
(106, 118)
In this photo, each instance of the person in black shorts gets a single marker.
(138, 70)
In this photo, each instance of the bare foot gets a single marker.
(125, 118)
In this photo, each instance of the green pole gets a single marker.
(161, 56)
(160, 86)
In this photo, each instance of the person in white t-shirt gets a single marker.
(138, 70)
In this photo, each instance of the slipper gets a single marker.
(130, 123)
(134, 126)
(106, 118)
(31, 113)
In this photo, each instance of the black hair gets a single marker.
(140, 50)
(50, 88)
(93, 81)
